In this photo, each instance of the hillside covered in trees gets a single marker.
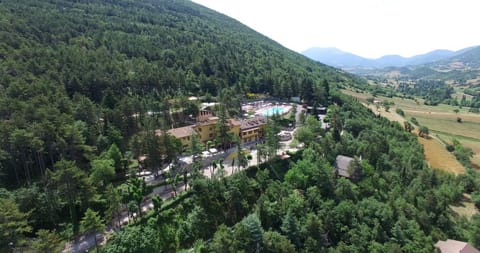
(84, 85)
(396, 204)
(72, 73)
(80, 81)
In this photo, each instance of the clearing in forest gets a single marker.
(435, 152)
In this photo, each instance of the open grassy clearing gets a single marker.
(439, 158)
(467, 130)
(435, 152)
(468, 142)
(465, 207)
(413, 105)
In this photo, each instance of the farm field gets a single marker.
(442, 122)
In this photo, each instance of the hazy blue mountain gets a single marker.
(459, 66)
(431, 56)
(469, 57)
(391, 60)
(338, 58)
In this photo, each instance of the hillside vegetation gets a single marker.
(395, 203)
(72, 73)
(85, 84)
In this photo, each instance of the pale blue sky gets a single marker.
(370, 28)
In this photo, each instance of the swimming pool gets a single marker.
(274, 110)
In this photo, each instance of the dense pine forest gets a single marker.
(74, 72)
(84, 85)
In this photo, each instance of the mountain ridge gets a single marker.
(338, 58)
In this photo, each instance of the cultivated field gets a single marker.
(442, 122)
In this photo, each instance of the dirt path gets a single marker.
(435, 153)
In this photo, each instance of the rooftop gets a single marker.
(253, 122)
(454, 246)
(180, 132)
(208, 121)
(341, 164)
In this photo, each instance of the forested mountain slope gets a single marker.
(84, 85)
(96, 47)
(79, 81)
(67, 64)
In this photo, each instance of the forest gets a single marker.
(84, 84)
(395, 204)
(434, 92)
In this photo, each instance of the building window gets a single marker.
(199, 129)
(210, 135)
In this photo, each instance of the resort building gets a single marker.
(253, 129)
(184, 134)
(206, 127)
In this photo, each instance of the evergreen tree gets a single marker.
(74, 188)
(271, 138)
(92, 223)
(13, 224)
(222, 134)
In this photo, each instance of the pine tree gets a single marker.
(223, 136)
(92, 223)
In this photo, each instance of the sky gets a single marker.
(369, 28)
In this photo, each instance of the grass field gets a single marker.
(465, 207)
(442, 122)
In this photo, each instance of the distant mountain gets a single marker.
(336, 57)
(462, 67)
(432, 56)
(469, 57)
(341, 59)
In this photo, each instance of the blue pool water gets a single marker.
(273, 110)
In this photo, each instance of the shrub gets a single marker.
(400, 112)
(450, 148)
(414, 121)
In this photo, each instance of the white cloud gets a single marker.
(369, 28)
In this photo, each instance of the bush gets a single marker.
(450, 148)
(414, 121)
(476, 198)
(400, 112)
